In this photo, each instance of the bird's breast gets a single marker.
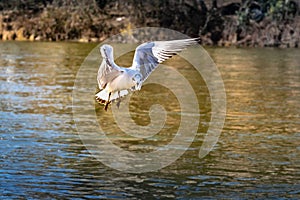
(122, 82)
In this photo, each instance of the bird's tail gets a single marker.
(102, 96)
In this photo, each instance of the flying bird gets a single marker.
(115, 81)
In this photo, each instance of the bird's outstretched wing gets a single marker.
(108, 70)
(148, 55)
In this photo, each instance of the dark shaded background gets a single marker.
(218, 22)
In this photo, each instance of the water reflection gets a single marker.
(257, 155)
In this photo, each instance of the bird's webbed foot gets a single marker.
(118, 103)
(119, 100)
(106, 105)
(107, 102)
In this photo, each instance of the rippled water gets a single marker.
(42, 156)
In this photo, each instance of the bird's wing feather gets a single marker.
(107, 72)
(148, 55)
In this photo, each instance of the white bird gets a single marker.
(114, 81)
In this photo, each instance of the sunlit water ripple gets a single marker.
(42, 156)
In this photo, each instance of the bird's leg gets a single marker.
(107, 102)
(119, 101)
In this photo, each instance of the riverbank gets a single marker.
(94, 21)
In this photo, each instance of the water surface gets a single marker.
(42, 156)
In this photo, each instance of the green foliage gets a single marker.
(276, 9)
(243, 17)
(280, 9)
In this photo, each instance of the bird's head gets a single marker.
(137, 79)
(106, 51)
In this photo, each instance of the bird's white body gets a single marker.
(121, 82)
(114, 81)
